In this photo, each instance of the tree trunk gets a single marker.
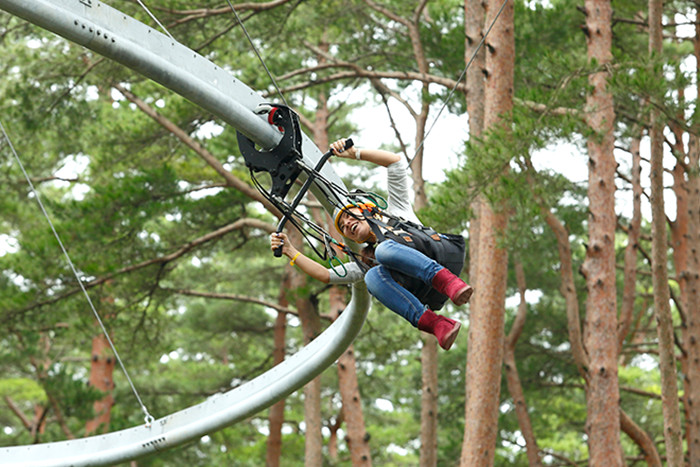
(685, 231)
(680, 242)
(691, 282)
(312, 391)
(633, 232)
(486, 333)
(667, 361)
(603, 422)
(429, 373)
(357, 437)
(276, 413)
(311, 327)
(101, 370)
(474, 14)
(429, 352)
(512, 377)
(485, 353)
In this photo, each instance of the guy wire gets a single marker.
(255, 49)
(149, 418)
(459, 80)
(153, 17)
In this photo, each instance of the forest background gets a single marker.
(151, 197)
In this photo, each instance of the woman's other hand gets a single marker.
(281, 240)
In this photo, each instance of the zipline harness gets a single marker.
(285, 164)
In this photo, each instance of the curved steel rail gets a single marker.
(211, 415)
(115, 35)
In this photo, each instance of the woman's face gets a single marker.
(354, 226)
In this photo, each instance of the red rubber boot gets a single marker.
(445, 329)
(455, 288)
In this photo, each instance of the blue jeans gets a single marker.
(392, 255)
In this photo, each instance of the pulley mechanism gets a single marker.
(282, 161)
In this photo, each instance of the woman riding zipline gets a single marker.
(409, 268)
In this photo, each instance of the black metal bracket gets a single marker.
(281, 162)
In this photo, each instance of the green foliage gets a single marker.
(132, 193)
(21, 387)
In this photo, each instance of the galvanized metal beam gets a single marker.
(119, 37)
(215, 413)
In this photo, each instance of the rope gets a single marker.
(153, 17)
(319, 234)
(459, 80)
(255, 49)
(149, 418)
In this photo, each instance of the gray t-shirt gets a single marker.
(398, 205)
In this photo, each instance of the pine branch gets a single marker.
(543, 108)
(239, 298)
(161, 260)
(201, 151)
(18, 412)
(201, 13)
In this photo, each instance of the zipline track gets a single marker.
(123, 39)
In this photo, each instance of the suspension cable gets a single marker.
(459, 80)
(255, 49)
(149, 418)
(153, 17)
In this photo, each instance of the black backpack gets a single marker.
(447, 249)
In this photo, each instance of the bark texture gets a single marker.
(691, 304)
(603, 420)
(685, 232)
(486, 336)
(312, 391)
(485, 353)
(662, 307)
(429, 369)
(101, 371)
(429, 405)
(474, 14)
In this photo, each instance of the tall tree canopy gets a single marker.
(157, 211)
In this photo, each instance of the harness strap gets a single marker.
(378, 226)
(355, 257)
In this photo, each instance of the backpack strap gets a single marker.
(400, 227)
(371, 214)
